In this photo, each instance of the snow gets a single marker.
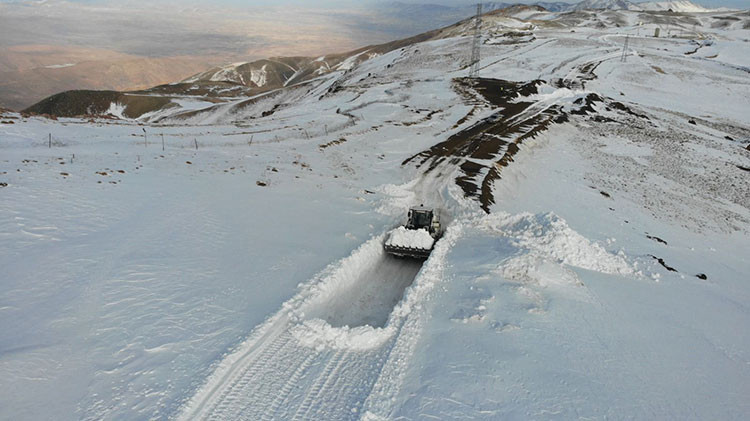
(548, 237)
(258, 76)
(228, 73)
(246, 278)
(320, 335)
(548, 337)
(605, 4)
(351, 61)
(679, 6)
(418, 239)
(116, 109)
(60, 66)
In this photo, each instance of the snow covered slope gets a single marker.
(680, 6)
(604, 5)
(225, 261)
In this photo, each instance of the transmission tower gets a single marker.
(624, 57)
(474, 65)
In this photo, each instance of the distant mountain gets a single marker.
(237, 86)
(682, 6)
(437, 15)
(424, 16)
(232, 82)
(555, 6)
(604, 4)
(224, 82)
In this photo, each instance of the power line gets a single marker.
(474, 66)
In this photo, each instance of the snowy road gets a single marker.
(321, 354)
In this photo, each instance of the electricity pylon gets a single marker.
(474, 65)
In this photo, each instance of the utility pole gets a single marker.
(474, 65)
(624, 57)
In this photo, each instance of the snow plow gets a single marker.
(417, 237)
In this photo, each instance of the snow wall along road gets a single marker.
(322, 355)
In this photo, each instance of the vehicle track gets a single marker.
(288, 381)
(322, 385)
(275, 375)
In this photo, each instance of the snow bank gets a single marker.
(349, 305)
(412, 311)
(318, 334)
(548, 237)
(402, 237)
(550, 93)
(398, 198)
(315, 296)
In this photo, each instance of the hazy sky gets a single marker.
(229, 28)
(742, 4)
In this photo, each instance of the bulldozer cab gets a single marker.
(420, 218)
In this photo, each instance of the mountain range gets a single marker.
(246, 79)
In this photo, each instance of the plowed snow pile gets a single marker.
(548, 237)
(403, 237)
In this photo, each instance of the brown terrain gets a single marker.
(219, 82)
(30, 73)
(51, 47)
(482, 150)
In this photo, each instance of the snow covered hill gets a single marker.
(680, 6)
(232, 84)
(178, 255)
(604, 5)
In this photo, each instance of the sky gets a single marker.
(741, 4)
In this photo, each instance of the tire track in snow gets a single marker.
(287, 388)
(349, 388)
(265, 389)
(321, 387)
(238, 375)
(317, 358)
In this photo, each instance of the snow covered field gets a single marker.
(237, 271)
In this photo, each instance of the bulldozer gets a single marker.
(415, 239)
